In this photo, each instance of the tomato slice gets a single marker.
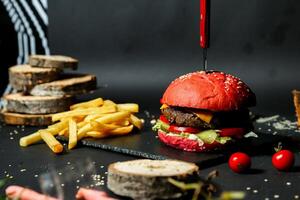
(179, 129)
(163, 119)
(232, 132)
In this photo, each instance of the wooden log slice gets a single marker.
(70, 84)
(53, 61)
(25, 119)
(296, 100)
(24, 77)
(148, 179)
(20, 103)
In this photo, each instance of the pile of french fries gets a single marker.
(97, 118)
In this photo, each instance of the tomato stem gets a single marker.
(279, 147)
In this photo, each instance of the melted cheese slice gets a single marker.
(204, 116)
(164, 106)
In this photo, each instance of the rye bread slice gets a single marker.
(21, 103)
(24, 77)
(53, 61)
(69, 84)
(148, 179)
(25, 119)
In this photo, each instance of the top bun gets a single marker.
(210, 90)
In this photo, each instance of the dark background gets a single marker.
(136, 47)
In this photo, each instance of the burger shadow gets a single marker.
(265, 144)
(252, 171)
(295, 169)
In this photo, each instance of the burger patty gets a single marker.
(182, 118)
(185, 117)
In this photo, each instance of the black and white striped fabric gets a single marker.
(23, 25)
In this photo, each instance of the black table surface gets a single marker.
(25, 166)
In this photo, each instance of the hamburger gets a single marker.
(204, 111)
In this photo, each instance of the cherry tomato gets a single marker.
(163, 119)
(179, 129)
(232, 132)
(239, 162)
(283, 160)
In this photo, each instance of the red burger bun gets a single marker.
(187, 144)
(211, 90)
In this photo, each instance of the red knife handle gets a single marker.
(204, 23)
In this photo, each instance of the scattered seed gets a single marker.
(59, 173)
(153, 121)
(62, 185)
(296, 196)
(36, 175)
(248, 188)
(276, 196)
(23, 170)
(266, 180)
(288, 183)
(255, 191)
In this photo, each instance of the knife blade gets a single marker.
(204, 29)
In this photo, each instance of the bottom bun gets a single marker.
(187, 144)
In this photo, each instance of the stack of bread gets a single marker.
(42, 89)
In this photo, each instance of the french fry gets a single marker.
(97, 118)
(131, 107)
(56, 128)
(102, 127)
(50, 140)
(92, 117)
(81, 124)
(136, 121)
(64, 132)
(122, 123)
(86, 111)
(89, 104)
(72, 134)
(113, 117)
(36, 137)
(106, 119)
(122, 130)
(97, 134)
(109, 103)
(30, 139)
(83, 130)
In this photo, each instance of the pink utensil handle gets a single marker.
(204, 23)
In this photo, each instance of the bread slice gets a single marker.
(53, 61)
(24, 77)
(25, 119)
(148, 179)
(36, 104)
(296, 99)
(70, 84)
